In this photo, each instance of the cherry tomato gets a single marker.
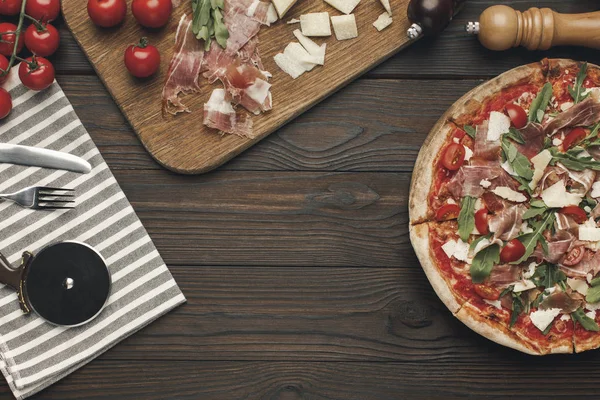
(10, 7)
(42, 42)
(574, 256)
(481, 221)
(447, 212)
(487, 292)
(142, 59)
(152, 13)
(3, 66)
(43, 10)
(7, 40)
(512, 251)
(517, 115)
(454, 156)
(458, 133)
(5, 103)
(574, 212)
(107, 13)
(573, 137)
(38, 74)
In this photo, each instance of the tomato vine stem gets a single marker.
(13, 57)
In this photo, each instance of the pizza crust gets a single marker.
(419, 237)
(582, 345)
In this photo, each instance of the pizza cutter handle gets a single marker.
(500, 27)
(9, 275)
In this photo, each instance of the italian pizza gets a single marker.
(504, 208)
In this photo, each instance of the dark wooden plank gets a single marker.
(525, 378)
(453, 55)
(274, 218)
(372, 125)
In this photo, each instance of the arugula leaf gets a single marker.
(595, 282)
(483, 263)
(519, 163)
(530, 240)
(517, 308)
(533, 212)
(470, 131)
(538, 203)
(507, 290)
(539, 104)
(571, 159)
(479, 239)
(548, 275)
(586, 322)
(593, 294)
(587, 202)
(592, 138)
(466, 217)
(576, 90)
(537, 301)
(514, 134)
(548, 328)
(207, 22)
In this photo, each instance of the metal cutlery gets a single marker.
(37, 157)
(42, 198)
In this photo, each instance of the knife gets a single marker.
(37, 157)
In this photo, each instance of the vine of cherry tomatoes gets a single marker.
(141, 60)
(40, 38)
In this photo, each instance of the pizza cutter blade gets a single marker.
(66, 283)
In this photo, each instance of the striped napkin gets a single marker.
(33, 353)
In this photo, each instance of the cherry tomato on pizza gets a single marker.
(574, 256)
(10, 7)
(107, 13)
(5, 103)
(575, 136)
(7, 40)
(574, 212)
(152, 13)
(517, 115)
(37, 73)
(447, 212)
(4, 67)
(142, 59)
(42, 41)
(454, 156)
(481, 221)
(512, 251)
(43, 10)
(487, 292)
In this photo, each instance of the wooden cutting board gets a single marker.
(181, 143)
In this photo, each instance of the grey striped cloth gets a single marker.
(35, 354)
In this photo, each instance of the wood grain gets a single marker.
(353, 131)
(274, 218)
(182, 144)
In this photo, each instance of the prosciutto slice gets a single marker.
(533, 134)
(484, 149)
(589, 264)
(504, 274)
(492, 202)
(241, 27)
(560, 300)
(467, 181)
(220, 114)
(507, 223)
(579, 181)
(184, 69)
(565, 223)
(255, 9)
(584, 113)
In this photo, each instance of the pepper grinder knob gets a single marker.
(500, 27)
(430, 17)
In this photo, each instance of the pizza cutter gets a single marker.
(501, 27)
(430, 17)
(66, 283)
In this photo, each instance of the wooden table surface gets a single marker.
(295, 257)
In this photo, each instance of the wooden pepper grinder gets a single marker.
(501, 27)
(430, 17)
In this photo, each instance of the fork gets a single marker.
(41, 198)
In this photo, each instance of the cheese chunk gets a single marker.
(312, 48)
(344, 26)
(557, 196)
(297, 52)
(566, 105)
(578, 285)
(530, 270)
(592, 306)
(315, 24)
(289, 65)
(382, 22)
(509, 194)
(495, 303)
(498, 124)
(386, 5)
(543, 318)
(345, 6)
(523, 286)
(595, 190)
(457, 249)
(468, 153)
(565, 317)
(485, 183)
(508, 168)
(540, 162)
(283, 6)
(591, 314)
(589, 234)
